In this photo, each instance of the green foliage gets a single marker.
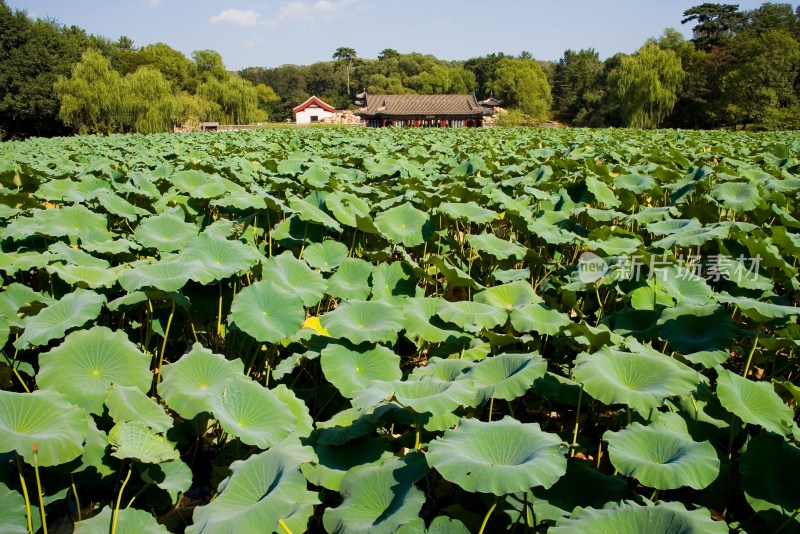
(578, 86)
(91, 97)
(523, 84)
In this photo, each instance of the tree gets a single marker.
(771, 16)
(176, 67)
(578, 86)
(645, 86)
(347, 55)
(715, 23)
(236, 97)
(208, 65)
(90, 98)
(388, 53)
(148, 102)
(523, 84)
(761, 88)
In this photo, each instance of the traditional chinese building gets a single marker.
(417, 111)
(313, 110)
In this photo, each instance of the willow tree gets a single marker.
(148, 102)
(646, 85)
(523, 85)
(91, 97)
(237, 100)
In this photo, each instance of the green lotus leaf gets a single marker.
(468, 211)
(427, 395)
(85, 365)
(76, 256)
(13, 517)
(351, 280)
(252, 413)
(199, 184)
(404, 224)
(500, 457)
(637, 183)
(130, 404)
(304, 423)
(174, 477)
(472, 316)
(392, 281)
(446, 370)
(379, 499)
(261, 490)
(691, 329)
(364, 321)
(418, 316)
(630, 518)
(136, 440)
(267, 313)
(335, 461)
(46, 418)
(661, 458)
(440, 525)
(86, 276)
(351, 210)
(671, 226)
(737, 196)
(218, 258)
(501, 249)
(759, 311)
(166, 232)
(539, 318)
(508, 296)
(684, 286)
(602, 192)
(17, 296)
(200, 375)
(94, 452)
(167, 275)
(115, 204)
(691, 237)
(295, 278)
(770, 470)
(5, 330)
(640, 380)
(755, 403)
(311, 209)
(70, 221)
(455, 277)
(71, 311)
(325, 256)
(351, 369)
(506, 376)
(129, 521)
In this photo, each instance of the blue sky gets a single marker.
(269, 33)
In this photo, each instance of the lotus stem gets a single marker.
(164, 344)
(628, 410)
(141, 490)
(577, 421)
(488, 514)
(787, 522)
(219, 310)
(750, 357)
(75, 493)
(119, 499)
(21, 381)
(284, 526)
(25, 495)
(418, 432)
(39, 484)
(491, 408)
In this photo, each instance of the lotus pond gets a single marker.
(377, 330)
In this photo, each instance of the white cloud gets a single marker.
(237, 17)
(153, 3)
(310, 11)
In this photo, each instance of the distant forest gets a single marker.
(740, 70)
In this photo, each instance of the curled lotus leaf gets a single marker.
(71, 311)
(628, 517)
(46, 418)
(755, 403)
(217, 258)
(294, 277)
(506, 376)
(88, 362)
(426, 395)
(509, 296)
(130, 404)
(364, 321)
(136, 440)
(129, 521)
(501, 249)
(169, 274)
(500, 457)
(640, 380)
(662, 458)
(468, 211)
(200, 375)
(472, 316)
(262, 490)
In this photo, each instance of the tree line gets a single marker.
(740, 69)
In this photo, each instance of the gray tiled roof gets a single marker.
(422, 106)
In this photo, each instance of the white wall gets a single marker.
(304, 117)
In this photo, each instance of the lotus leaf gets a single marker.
(509, 296)
(130, 404)
(46, 418)
(500, 457)
(472, 316)
(134, 439)
(261, 490)
(494, 246)
(770, 471)
(325, 256)
(404, 225)
(351, 279)
(364, 321)
(640, 380)
(379, 499)
(252, 413)
(71, 311)
(130, 521)
(351, 369)
(218, 258)
(295, 278)
(506, 376)
(754, 402)
(200, 375)
(427, 395)
(85, 365)
(266, 312)
(12, 511)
